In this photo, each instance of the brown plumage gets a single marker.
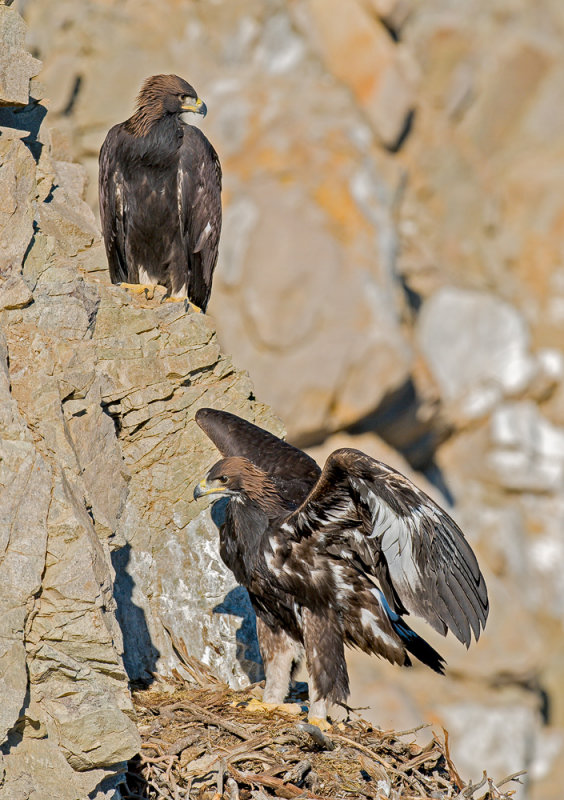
(336, 557)
(242, 475)
(157, 97)
(160, 194)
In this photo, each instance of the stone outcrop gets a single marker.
(274, 115)
(107, 567)
(359, 51)
(17, 66)
(476, 373)
(391, 264)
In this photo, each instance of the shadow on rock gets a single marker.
(399, 421)
(26, 119)
(15, 735)
(237, 604)
(139, 654)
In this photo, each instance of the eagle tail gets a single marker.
(418, 647)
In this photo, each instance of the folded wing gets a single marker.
(112, 207)
(199, 179)
(365, 512)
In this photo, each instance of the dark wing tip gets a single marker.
(202, 415)
(217, 425)
(418, 647)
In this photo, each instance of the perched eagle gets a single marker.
(160, 194)
(336, 557)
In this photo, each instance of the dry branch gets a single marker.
(205, 729)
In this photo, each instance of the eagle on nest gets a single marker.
(336, 556)
(160, 195)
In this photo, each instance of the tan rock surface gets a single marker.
(298, 157)
(17, 66)
(107, 566)
(17, 190)
(320, 220)
(358, 49)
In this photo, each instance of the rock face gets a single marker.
(17, 66)
(390, 267)
(359, 50)
(275, 114)
(475, 373)
(101, 544)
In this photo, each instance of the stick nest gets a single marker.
(200, 741)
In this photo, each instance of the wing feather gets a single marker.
(401, 536)
(200, 211)
(112, 205)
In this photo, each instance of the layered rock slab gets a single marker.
(17, 66)
(100, 455)
(101, 402)
(108, 570)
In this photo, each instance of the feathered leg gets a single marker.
(280, 655)
(325, 659)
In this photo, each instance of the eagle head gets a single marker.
(238, 477)
(223, 479)
(162, 96)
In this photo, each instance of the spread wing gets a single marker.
(200, 211)
(365, 512)
(112, 212)
(294, 472)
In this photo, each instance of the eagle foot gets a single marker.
(319, 722)
(188, 305)
(140, 288)
(258, 706)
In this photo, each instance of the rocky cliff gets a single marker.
(106, 566)
(390, 268)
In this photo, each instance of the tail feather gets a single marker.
(418, 647)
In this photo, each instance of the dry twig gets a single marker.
(209, 747)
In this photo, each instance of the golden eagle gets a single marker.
(160, 194)
(336, 557)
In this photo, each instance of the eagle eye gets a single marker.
(223, 479)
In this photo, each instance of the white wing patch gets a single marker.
(396, 539)
(342, 585)
(397, 546)
(270, 556)
(372, 629)
(119, 197)
(203, 237)
(179, 193)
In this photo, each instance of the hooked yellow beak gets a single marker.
(202, 488)
(199, 107)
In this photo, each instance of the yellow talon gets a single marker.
(256, 706)
(188, 305)
(322, 724)
(140, 288)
